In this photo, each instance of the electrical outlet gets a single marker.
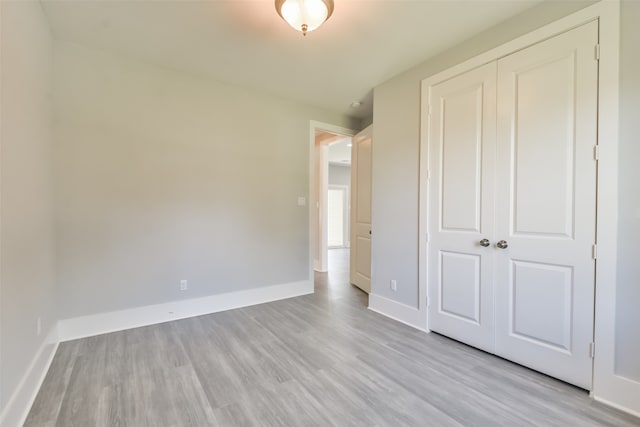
(183, 285)
(38, 326)
(393, 285)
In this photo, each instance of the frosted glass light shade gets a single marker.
(305, 15)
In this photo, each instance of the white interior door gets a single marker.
(461, 169)
(360, 254)
(546, 204)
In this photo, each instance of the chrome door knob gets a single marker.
(484, 243)
(502, 244)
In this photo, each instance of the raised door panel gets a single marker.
(534, 285)
(460, 286)
(363, 260)
(363, 171)
(546, 203)
(461, 158)
(461, 152)
(543, 102)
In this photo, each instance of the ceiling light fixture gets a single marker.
(304, 15)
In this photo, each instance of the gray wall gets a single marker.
(339, 175)
(396, 117)
(366, 121)
(161, 176)
(628, 290)
(26, 227)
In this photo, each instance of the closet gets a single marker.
(511, 211)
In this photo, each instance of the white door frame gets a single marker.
(607, 386)
(320, 210)
(345, 214)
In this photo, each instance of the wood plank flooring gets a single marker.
(316, 360)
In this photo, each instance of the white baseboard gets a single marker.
(395, 310)
(618, 406)
(102, 323)
(19, 405)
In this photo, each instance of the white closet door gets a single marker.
(546, 204)
(462, 163)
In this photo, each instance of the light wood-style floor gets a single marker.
(317, 360)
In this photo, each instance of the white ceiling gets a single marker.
(245, 42)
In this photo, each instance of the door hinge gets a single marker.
(594, 251)
(429, 110)
(596, 152)
(426, 237)
(427, 299)
(592, 349)
(597, 52)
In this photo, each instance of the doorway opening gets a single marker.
(338, 193)
(336, 149)
(330, 166)
(330, 180)
(339, 211)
